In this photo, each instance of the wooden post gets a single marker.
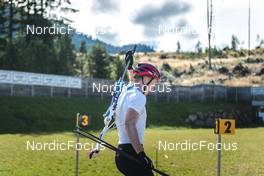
(32, 91)
(69, 92)
(51, 91)
(11, 90)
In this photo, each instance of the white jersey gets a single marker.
(133, 98)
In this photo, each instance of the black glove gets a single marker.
(146, 161)
(129, 58)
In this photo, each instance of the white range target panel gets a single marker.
(26, 78)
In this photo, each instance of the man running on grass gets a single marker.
(131, 119)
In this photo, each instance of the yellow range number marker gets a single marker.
(225, 126)
(85, 120)
(82, 120)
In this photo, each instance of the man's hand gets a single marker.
(93, 153)
(145, 160)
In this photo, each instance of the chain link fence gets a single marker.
(102, 88)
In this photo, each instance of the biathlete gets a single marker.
(131, 119)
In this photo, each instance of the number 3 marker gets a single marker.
(82, 120)
(85, 120)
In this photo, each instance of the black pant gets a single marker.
(127, 166)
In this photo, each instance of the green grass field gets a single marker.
(45, 120)
(248, 160)
(43, 114)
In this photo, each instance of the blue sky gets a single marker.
(164, 22)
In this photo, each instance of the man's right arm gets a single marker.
(131, 120)
(130, 125)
